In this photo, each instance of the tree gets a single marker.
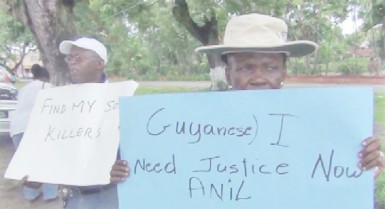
(373, 14)
(50, 22)
(15, 43)
(378, 18)
(145, 40)
(207, 34)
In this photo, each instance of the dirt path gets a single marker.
(10, 190)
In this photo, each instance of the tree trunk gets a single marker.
(382, 48)
(50, 21)
(217, 73)
(207, 34)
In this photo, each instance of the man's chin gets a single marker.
(258, 87)
(75, 80)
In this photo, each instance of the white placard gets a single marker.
(72, 136)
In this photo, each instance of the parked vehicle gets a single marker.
(8, 91)
(8, 101)
(6, 77)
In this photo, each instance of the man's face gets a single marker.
(250, 71)
(85, 66)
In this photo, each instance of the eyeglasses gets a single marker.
(78, 58)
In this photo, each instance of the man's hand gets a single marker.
(30, 184)
(119, 172)
(372, 156)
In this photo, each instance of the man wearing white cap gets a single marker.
(255, 50)
(86, 58)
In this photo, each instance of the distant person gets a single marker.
(26, 99)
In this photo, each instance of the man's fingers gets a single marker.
(370, 145)
(118, 174)
(24, 179)
(379, 171)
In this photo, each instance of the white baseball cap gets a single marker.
(85, 43)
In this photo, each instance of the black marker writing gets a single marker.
(54, 133)
(336, 171)
(144, 165)
(196, 130)
(222, 191)
(244, 167)
(281, 128)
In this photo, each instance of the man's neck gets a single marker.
(100, 79)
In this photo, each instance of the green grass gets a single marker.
(379, 116)
(20, 84)
(380, 193)
(165, 89)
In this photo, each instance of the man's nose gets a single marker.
(257, 72)
(71, 62)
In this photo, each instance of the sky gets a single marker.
(348, 26)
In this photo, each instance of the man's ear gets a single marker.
(101, 64)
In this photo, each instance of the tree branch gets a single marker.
(203, 33)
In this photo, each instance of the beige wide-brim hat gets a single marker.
(259, 33)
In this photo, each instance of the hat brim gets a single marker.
(65, 47)
(292, 49)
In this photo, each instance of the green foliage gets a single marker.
(296, 67)
(145, 42)
(380, 191)
(352, 66)
(12, 39)
(378, 12)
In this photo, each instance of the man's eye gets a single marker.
(246, 68)
(243, 69)
(271, 69)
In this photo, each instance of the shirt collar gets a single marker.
(104, 79)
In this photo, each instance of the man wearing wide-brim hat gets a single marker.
(262, 36)
(259, 33)
(255, 50)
